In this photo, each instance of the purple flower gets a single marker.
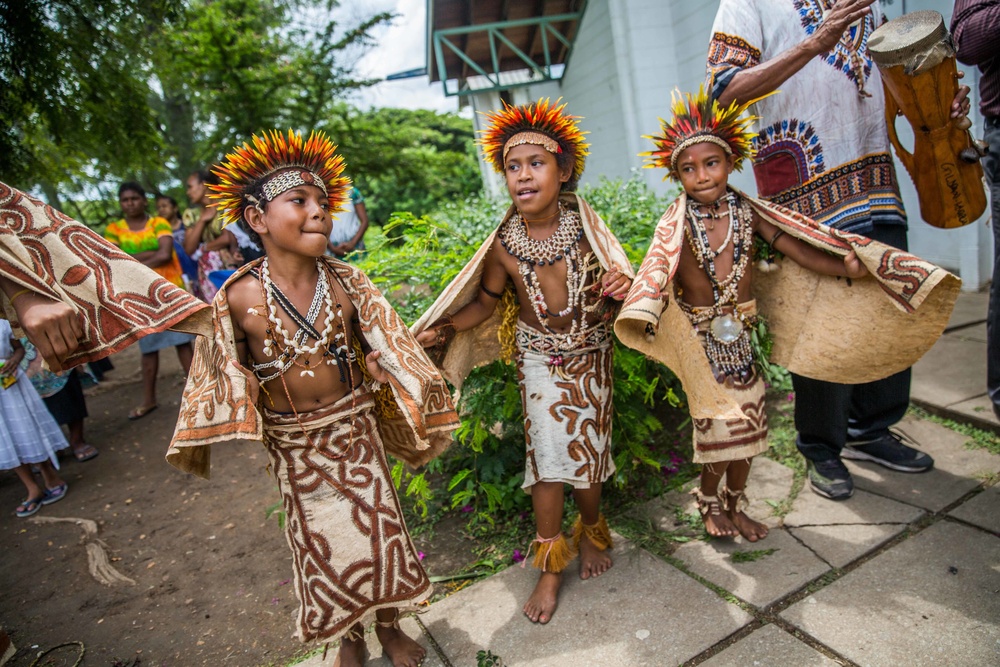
(790, 397)
(518, 556)
(420, 555)
(467, 509)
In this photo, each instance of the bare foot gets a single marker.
(400, 649)
(750, 530)
(352, 653)
(593, 561)
(542, 603)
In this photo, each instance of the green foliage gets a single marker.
(277, 509)
(483, 475)
(407, 160)
(487, 659)
(978, 438)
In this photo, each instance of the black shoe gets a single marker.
(831, 479)
(888, 451)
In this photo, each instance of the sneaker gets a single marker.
(831, 479)
(890, 452)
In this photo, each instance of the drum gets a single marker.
(917, 62)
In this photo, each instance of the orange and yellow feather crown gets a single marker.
(541, 117)
(699, 118)
(243, 174)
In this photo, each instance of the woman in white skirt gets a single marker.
(28, 433)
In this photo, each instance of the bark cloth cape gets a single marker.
(120, 300)
(220, 399)
(823, 327)
(480, 345)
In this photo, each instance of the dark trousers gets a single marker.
(991, 165)
(828, 415)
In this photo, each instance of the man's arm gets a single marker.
(975, 30)
(766, 77)
(52, 326)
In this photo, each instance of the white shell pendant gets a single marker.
(726, 328)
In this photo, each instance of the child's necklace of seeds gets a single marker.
(516, 241)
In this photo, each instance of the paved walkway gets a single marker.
(906, 572)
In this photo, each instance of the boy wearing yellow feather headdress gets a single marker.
(555, 270)
(694, 304)
(310, 358)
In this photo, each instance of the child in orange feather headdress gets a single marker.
(310, 358)
(701, 258)
(555, 271)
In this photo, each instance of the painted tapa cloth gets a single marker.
(481, 345)
(567, 410)
(220, 398)
(823, 327)
(351, 552)
(737, 438)
(120, 299)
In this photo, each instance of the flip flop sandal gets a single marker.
(55, 495)
(140, 412)
(29, 507)
(85, 453)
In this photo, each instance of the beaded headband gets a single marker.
(540, 123)
(699, 119)
(274, 163)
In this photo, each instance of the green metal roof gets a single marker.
(481, 45)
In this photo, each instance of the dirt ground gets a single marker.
(212, 575)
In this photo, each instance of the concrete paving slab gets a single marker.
(843, 544)
(957, 470)
(770, 646)
(977, 410)
(661, 511)
(760, 582)
(952, 371)
(969, 307)
(642, 611)
(810, 509)
(930, 600)
(975, 333)
(375, 657)
(982, 510)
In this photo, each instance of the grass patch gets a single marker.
(750, 556)
(978, 438)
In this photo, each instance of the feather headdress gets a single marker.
(274, 163)
(540, 123)
(698, 119)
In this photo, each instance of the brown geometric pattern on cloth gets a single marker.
(725, 51)
(351, 552)
(478, 346)
(120, 299)
(821, 326)
(220, 397)
(567, 417)
(733, 439)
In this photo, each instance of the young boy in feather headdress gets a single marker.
(285, 365)
(564, 266)
(694, 303)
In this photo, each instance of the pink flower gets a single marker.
(467, 509)
(790, 397)
(420, 555)
(518, 556)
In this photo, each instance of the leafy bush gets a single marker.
(484, 473)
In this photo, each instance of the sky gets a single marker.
(400, 46)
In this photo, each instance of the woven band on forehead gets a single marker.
(697, 139)
(291, 178)
(533, 138)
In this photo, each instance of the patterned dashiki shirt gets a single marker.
(823, 147)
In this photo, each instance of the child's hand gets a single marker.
(853, 266)
(378, 373)
(427, 338)
(53, 326)
(615, 284)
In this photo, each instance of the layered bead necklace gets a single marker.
(728, 338)
(295, 350)
(562, 244)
